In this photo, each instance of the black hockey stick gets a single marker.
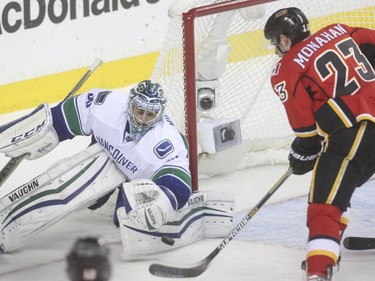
(359, 243)
(198, 268)
(13, 163)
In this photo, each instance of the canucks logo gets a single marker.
(163, 148)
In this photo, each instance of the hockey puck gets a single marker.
(168, 240)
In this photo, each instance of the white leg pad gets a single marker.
(206, 215)
(71, 184)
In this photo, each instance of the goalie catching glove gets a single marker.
(148, 205)
(303, 155)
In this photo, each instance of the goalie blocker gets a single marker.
(32, 134)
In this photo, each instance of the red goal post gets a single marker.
(219, 45)
(190, 77)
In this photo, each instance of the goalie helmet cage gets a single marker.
(222, 41)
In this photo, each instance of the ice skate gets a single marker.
(328, 277)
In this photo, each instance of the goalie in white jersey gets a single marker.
(137, 149)
(140, 139)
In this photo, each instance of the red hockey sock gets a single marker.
(323, 246)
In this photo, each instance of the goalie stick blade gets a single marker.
(359, 243)
(179, 272)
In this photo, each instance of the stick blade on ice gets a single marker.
(177, 271)
(359, 243)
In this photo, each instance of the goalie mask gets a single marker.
(147, 104)
(88, 260)
(289, 21)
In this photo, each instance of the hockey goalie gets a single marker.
(136, 152)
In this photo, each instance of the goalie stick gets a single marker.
(13, 163)
(198, 268)
(359, 243)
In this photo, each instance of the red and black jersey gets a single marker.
(326, 82)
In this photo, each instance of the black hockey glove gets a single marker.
(302, 158)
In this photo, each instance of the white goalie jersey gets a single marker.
(160, 155)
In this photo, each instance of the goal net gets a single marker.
(215, 68)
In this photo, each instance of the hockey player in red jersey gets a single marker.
(327, 85)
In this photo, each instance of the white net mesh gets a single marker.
(245, 91)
